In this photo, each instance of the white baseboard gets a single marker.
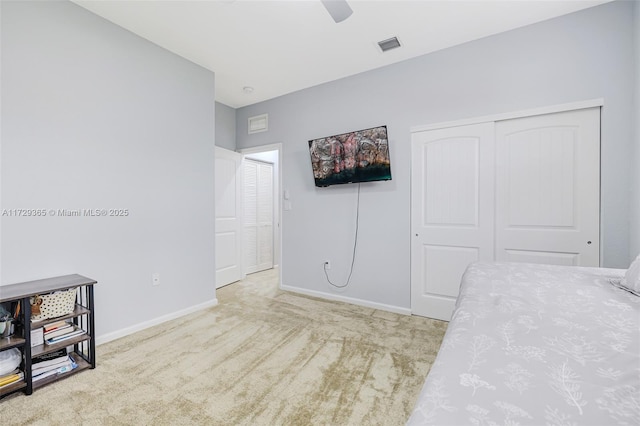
(143, 325)
(353, 301)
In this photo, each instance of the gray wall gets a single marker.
(576, 57)
(95, 117)
(225, 126)
(635, 164)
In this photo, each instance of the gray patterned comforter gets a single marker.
(537, 345)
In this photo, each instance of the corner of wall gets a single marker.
(225, 126)
(634, 213)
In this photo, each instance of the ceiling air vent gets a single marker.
(388, 44)
(259, 123)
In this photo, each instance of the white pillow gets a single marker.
(631, 280)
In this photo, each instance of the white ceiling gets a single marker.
(279, 47)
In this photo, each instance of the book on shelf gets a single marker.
(58, 331)
(69, 365)
(53, 325)
(49, 356)
(76, 332)
(61, 367)
(14, 376)
(49, 365)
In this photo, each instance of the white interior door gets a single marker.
(452, 211)
(258, 215)
(548, 188)
(228, 217)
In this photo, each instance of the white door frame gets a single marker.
(550, 109)
(265, 148)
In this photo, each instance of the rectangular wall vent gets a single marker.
(388, 44)
(258, 123)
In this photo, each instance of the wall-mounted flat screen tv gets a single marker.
(361, 156)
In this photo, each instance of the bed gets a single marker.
(537, 345)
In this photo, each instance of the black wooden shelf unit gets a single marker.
(81, 348)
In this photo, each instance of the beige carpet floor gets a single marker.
(261, 357)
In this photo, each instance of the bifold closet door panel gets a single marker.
(452, 193)
(265, 216)
(258, 215)
(548, 188)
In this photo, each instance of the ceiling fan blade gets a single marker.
(338, 9)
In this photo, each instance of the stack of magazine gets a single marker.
(52, 364)
(11, 377)
(59, 331)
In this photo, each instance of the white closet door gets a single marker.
(452, 211)
(265, 216)
(258, 216)
(548, 188)
(228, 217)
(250, 223)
